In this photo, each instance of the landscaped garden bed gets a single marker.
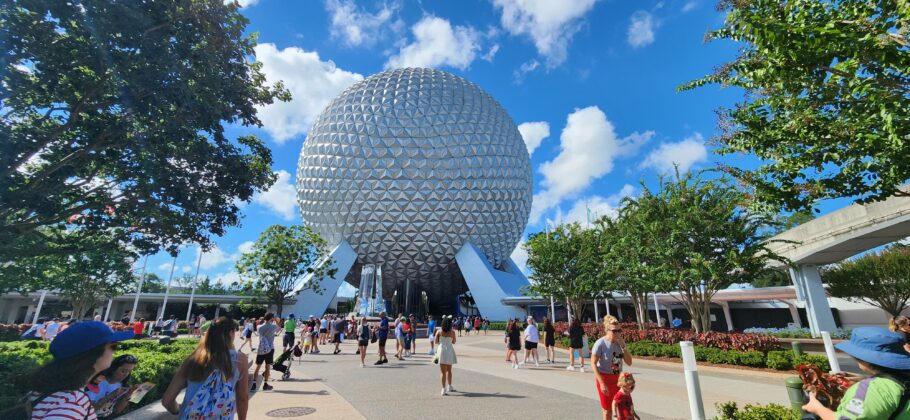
(157, 364)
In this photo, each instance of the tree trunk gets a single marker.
(640, 305)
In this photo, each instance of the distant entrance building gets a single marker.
(422, 183)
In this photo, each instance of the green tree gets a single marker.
(701, 238)
(560, 265)
(827, 103)
(153, 284)
(97, 273)
(881, 279)
(281, 258)
(113, 117)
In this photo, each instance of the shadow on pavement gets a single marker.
(484, 395)
(289, 391)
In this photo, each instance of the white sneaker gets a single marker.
(536, 364)
(570, 368)
(521, 363)
(361, 365)
(581, 369)
(443, 392)
(514, 366)
(449, 388)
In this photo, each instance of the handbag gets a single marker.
(436, 358)
(373, 336)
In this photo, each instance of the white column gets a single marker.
(726, 307)
(809, 285)
(552, 310)
(568, 311)
(669, 315)
(607, 304)
(139, 290)
(195, 279)
(656, 311)
(40, 304)
(167, 289)
(794, 312)
(596, 313)
(618, 310)
(107, 313)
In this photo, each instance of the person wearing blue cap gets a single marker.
(884, 395)
(80, 352)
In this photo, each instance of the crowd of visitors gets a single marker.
(84, 381)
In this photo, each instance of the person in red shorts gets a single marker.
(622, 401)
(607, 357)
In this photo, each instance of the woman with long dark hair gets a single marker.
(513, 332)
(112, 383)
(576, 335)
(80, 353)
(549, 340)
(211, 375)
(445, 354)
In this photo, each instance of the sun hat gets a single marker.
(877, 346)
(84, 336)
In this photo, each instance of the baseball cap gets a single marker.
(84, 336)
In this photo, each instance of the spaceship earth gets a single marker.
(407, 166)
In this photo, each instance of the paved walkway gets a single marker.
(486, 387)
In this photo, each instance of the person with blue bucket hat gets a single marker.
(80, 352)
(884, 395)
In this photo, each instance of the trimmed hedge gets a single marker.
(157, 364)
(730, 411)
(779, 360)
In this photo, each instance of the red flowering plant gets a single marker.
(829, 388)
(719, 340)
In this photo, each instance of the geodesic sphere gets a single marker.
(408, 165)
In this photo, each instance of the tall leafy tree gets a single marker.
(281, 258)
(881, 279)
(827, 103)
(702, 239)
(113, 117)
(559, 267)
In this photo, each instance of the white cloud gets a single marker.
(588, 147)
(690, 6)
(245, 247)
(550, 24)
(593, 207)
(520, 257)
(227, 277)
(212, 258)
(518, 75)
(641, 29)
(165, 267)
(488, 57)
(436, 43)
(355, 26)
(281, 197)
(686, 153)
(311, 81)
(533, 134)
(186, 269)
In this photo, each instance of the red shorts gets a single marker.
(606, 395)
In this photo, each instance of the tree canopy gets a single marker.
(113, 117)
(281, 258)
(561, 263)
(827, 103)
(881, 279)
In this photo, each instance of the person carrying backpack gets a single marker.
(885, 394)
(211, 375)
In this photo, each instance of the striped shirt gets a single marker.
(65, 405)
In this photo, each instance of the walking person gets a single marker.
(290, 325)
(338, 328)
(477, 324)
(266, 352)
(532, 337)
(315, 326)
(445, 339)
(324, 330)
(79, 353)
(431, 333)
(549, 340)
(399, 338)
(513, 338)
(486, 326)
(576, 335)
(247, 334)
(468, 325)
(363, 339)
(211, 375)
(607, 356)
(382, 334)
(622, 406)
(413, 335)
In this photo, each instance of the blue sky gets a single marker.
(591, 85)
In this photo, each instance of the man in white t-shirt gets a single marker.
(265, 353)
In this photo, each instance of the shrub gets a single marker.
(780, 360)
(157, 364)
(750, 358)
(818, 361)
(795, 332)
(730, 411)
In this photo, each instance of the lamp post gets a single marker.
(167, 289)
(189, 307)
(139, 290)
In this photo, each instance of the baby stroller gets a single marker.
(283, 364)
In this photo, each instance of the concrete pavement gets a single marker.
(336, 387)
